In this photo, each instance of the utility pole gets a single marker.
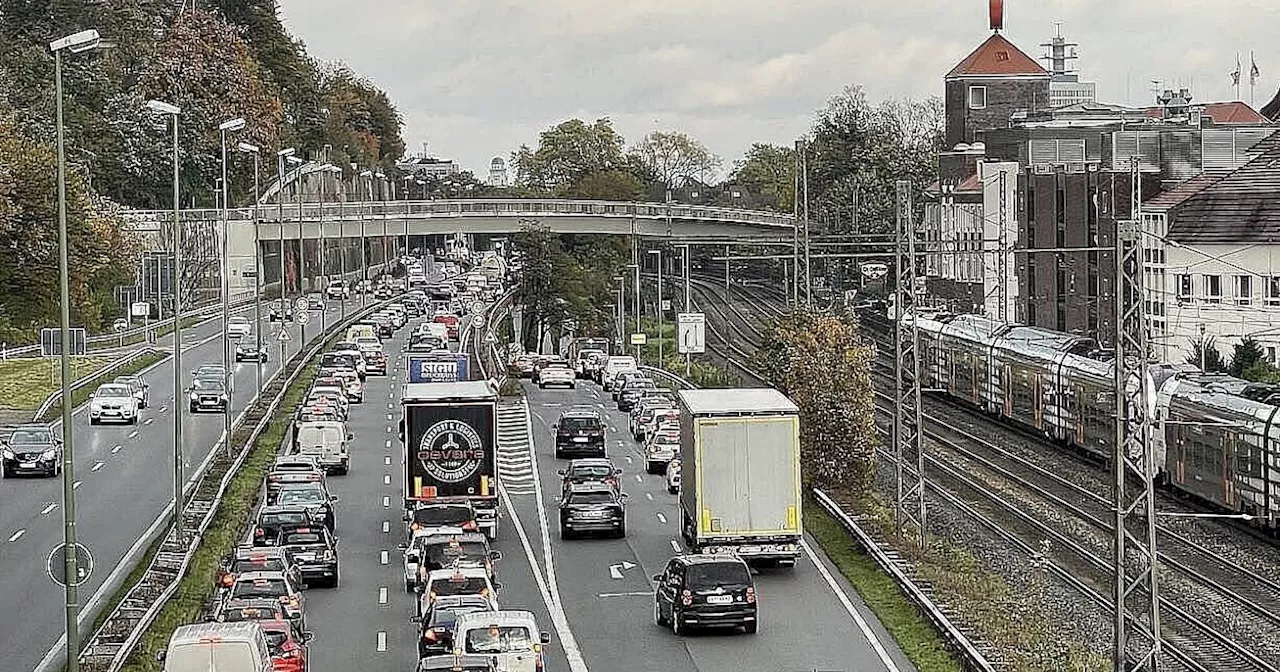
(1002, 254)
(1137, 624)
(794, 290)
(907, 440)
(808, 279)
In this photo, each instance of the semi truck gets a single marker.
(449, 432)
(740, 466)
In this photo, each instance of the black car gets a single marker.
(589, 470)
(250, 352)
(437, 623)
(208, 395)
(632, 391)
(705, 591)
(281, 311)
(313, 496)
(30, 449)
(256, 559)
(579, 432)
(273, 518)
(315, 552)
(592, 507)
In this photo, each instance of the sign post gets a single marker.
(691, 336)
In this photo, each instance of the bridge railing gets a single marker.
(499, 207)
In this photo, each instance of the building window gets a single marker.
(977, 97)
(1273, 291)
(1271, 355)
(1186, 289)
(1213, 289)
(1244, 290)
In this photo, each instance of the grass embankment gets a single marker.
(25, 383)
(81, 394)
(225, 531)
(161, 331)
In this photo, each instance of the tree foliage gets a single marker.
(567, 154)
(767, 172)
(566, 278)
(819, 361)
(674, 158)
(1212, 358)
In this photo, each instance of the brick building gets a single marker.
(989, 86)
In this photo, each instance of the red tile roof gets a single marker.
(1233, 112)
(997, 57)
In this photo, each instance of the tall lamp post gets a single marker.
(163, 108)
(328, 170)
(658, 254)
(247, 148)
(622, 312)
(77, 43)
(229, 126)
(281, 155)
(384, 185)
(636, 267)
(296, 162)
(368, 193)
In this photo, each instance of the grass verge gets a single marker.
(81, 395)
(25, 383)
(161, 331)
(225, 530)
(908, 627)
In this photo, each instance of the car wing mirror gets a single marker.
(657, 578)
(402, 545)
(560, 472)
(415, 619)
(545, 638)
(160, 655)
(495, 555)
(307, 637)
(497, 585)
(333, 498)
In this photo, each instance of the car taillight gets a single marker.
(228, 580)
(469, 526)
(686, 598)
(751, 595)
(430, 636)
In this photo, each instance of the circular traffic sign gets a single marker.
(302, 317)
(58, 565)
(477, 321)
(301, 304)
(477, 307)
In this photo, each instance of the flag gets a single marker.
(1235, 76)
(1254, 72)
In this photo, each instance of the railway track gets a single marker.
(1203, 573)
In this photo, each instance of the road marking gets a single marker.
(648, 496)
(628, 458)
(383, 557)
(675, 545)
(148, 421)
(115, 449)
(96, 465)
(133, 434)
(163, 409)
(661, 518)
(634, 594)
(18, 535)
(388, 431)
(389, 407)
(386, 459)
(382, 595)
(386, 526)
(76, 485)
(386, 502)
(388, 440)
(890, 666)
(639, 478)
(386, 478)
(382, 641)
(388, 417)
(47, 508)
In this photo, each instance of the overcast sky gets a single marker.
(477, 79)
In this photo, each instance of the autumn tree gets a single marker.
(819, 361)
(567, 154)
(767, 172)
(674, 158)
(541, 262)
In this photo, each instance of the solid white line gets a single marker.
(635, 594)
(675, 545)
(382, 557)
(386, 526)
(115, 449)
(661, 518)
(386, 502)
(96, 465)
(386, 478)
(48, 507)
(17, 535)
(382, 641)
(848, 606)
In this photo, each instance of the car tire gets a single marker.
(193, 408)
(621, 532)
(678, 628)
(673, 490)
(333, 583)
(408, 587)
(658, 620)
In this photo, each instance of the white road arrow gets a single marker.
(615, 571)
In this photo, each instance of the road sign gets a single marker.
(477, 307)
(58, 565)
(477, 321)
(639, 339)
(300, 305)
(691, 331)
(51, 342)
(490, 338)
(140, 309)
(301, 316)
(283, 335)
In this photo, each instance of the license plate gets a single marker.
(306, 558)
(593, 514)
(749, 549)
(719, 599)
(27, 465)
(579, 439)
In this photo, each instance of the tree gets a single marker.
(541, 258)
(567, 154)
(1211, 360)
(1249, 361)
(767, 173)
(820, 362)
(674, 158)
(608, 185)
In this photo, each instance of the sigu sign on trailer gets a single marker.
(440, 368)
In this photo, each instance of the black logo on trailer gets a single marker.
(451, 451)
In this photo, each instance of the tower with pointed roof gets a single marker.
(991, 85)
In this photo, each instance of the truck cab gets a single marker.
(325, 441)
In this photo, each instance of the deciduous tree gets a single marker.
(675, 158)
(767, 173)
(568, 153)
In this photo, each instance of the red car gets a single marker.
(288, 648)
(449, 321)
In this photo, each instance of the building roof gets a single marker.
(1231, 112)
(742, 401)
(997, 57)
(1166, 200)
(1243, 205)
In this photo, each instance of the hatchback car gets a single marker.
(288, 646)
(592, 507)
(696, 591)
(589, 470)
(272, 585)
(457, 581)
(579, 431)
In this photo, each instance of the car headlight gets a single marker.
(223, 397)
(8, 454)
(194, 396)
(49, 454)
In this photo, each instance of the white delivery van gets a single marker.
(217, 647)
(509, 638)
(326, 441)
(358, 331)
(612, 367)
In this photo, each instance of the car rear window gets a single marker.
(445, 554)
(712, 574)
(577, 423)
(237, 614)
(297, 538)
(591, 471)
(463, 586)
(278, 519)
(260, 588)
(257, 565)
(590, 498)
(443, 515)
(499, 639)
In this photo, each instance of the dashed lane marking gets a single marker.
(382, 641)
(382, 595)
(675, 545)
(96, 465)
(382, 557)
(76, 485)
(386, 526)
(17, 535)
(386, 459)
(661, 518)
(116, 448)
(47, 508)
(148, 421)
(133, 434)
(386, 502)
(648, 496)
(639, 478)
(388, 443)
(386, 478)
(164, 408)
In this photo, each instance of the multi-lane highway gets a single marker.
(810, 618)
(123, 481)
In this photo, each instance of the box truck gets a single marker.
(449, 433)
(740, 465)
(440, 368)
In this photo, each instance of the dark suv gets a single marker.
(699, 591)
(579, 433)
(30, 449)
(592, 507)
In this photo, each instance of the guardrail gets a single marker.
(84, 380)
(112, 644)
(971, 658)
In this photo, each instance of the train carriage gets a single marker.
(1087, 387)
(1027, 363)
(967, 341)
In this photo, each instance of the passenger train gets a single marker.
(1214, 437)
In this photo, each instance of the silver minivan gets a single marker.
(509, 638)
(217, 647)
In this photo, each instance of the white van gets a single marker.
(509, 638)
(326, 441)
(477, 282)
(358, 331)
(217, 647)
(612, 367)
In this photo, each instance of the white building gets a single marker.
(999, 237)
(498, 172)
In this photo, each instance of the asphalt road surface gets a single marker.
(123, 480)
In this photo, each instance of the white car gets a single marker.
(557, 375)
(673, 476)
(239, 327)
(336, 290)
(457, 581)
(113, 402)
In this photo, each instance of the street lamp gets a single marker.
(246, 148)
(77, 43)
(636, 268)
(296, 161)
(658, 253)
(622, 313)
(229, 126)
(281, 155)
(327, 170)
(364, 257)
(384, 184)
(163, 108)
